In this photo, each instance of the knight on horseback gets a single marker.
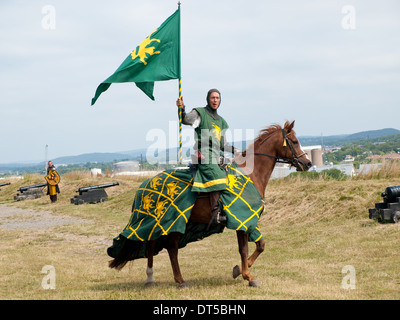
(210, 127)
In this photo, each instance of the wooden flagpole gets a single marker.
(180, 108)
(180, 123)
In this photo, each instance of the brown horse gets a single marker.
(274, 144)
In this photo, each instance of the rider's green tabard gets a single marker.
(209, 136)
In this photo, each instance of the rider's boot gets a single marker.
(216, 215)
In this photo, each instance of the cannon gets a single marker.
(4, 184)
(30, 192)
(92, 194)
(389, 209)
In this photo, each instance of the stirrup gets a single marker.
(217, 219)
(221, 218)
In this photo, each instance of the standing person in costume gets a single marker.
(210, 140)
(52, 176)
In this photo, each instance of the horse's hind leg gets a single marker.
(173, 256)
(150, 271)
(244, 251)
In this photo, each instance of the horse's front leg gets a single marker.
(173, 256)
(243, 242)
(260, 245)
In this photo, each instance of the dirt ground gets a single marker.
(13, 218)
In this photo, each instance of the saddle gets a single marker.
(198, 157)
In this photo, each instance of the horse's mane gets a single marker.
(263, 135)
(266, 133)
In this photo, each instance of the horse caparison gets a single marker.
(273, 144)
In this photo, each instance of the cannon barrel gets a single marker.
(4, 184)
(391, 193)
(100, 186)
(22, 189)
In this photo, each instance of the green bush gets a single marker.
(328, 174)
(335, 174)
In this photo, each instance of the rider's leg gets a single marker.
(216, 216)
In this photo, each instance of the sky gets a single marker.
(332, 66)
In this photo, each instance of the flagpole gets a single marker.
(180, 123)
(180, 97)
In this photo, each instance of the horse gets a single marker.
(273, 144)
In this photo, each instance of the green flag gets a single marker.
(157, 58)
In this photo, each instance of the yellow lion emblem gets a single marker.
(233, 182)
(155, 182)
(173, 189)
(216, 131)
(147, 202)
(143, 51)
(161, 208)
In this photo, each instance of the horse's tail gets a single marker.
(129, 252)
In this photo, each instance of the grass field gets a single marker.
(313, 229)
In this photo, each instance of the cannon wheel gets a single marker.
(396, 217)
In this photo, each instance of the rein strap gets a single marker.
(294, 161)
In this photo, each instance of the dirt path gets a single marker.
(38, 222)
(12, 218)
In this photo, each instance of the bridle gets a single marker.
(292, 161)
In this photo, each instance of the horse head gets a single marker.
(283, 145)
(290, 151)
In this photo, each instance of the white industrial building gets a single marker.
(314, 153)
(125, 167)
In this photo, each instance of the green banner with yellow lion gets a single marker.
(156, 58)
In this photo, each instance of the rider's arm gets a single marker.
(192, 118)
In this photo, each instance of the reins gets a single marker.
(278, 159)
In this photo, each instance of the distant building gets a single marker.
(348, 159)
(346, 168)
(282, 171)
(95, 172)
(125, 167)
(366, 168)
(390, 156)
(314, 153)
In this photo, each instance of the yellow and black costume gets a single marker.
(52, 186)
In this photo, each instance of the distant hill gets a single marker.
(101, 157)
(91, 157)
(338, 140)
(373, 134)
(78, 159)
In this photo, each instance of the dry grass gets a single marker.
(388, 170)
(312, 230)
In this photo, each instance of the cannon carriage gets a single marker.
(30, 192)
(389, 209)
(92, 194)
